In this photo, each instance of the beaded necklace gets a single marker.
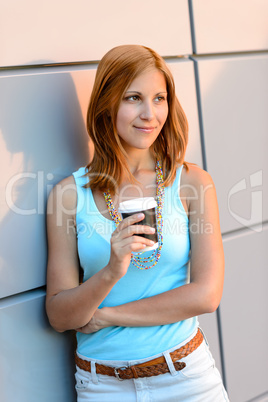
(136, 260)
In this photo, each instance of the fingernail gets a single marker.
(152, 242)
(152, 230)
(140, 215)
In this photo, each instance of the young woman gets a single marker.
(136, 314)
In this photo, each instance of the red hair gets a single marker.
(117, 69)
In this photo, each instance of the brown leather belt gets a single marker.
(148, 369)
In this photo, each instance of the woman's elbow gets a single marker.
(212, 306)
(52, 319)
(55, 325)
(211, 301)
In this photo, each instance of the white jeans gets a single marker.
(198, 381)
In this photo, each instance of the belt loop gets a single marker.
(94, 376)
(170, 364)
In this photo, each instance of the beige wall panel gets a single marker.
(43, 139)
(234, 99)
(230, 26)
(36, 363)
(244, 314)
(67, 31)
(183, 72)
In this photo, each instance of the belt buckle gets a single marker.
(117, 374)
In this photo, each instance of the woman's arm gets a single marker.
(203, 293)
(69, 305)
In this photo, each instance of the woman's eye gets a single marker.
(132, 98)
(160, 98)
(135, 98)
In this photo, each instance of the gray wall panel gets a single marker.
(183, 72)
(234, 98)
(261, 398)
(36, 362)
(230, 26)
(43, 139)
(244, 314)
(66, 31)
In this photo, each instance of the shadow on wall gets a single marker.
(44, 140)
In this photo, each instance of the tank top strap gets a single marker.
(79, 176)
(175, 193)
(177, 182)
(82, 193)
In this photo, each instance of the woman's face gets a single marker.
(143, 110)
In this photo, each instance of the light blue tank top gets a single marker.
(172, 270)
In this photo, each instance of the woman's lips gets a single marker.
(145, 129)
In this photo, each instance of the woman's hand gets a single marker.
(124, 242)
(96, 323)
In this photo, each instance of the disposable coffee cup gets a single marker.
(147, 206)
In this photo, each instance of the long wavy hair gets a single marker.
(117, 69)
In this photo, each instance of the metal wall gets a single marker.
(218, 53)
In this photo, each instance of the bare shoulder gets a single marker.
(195, 184)
(195, 176)
(63, 197)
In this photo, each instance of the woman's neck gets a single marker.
(140, 161)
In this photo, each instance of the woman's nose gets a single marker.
(147, 112)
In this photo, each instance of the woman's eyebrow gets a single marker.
(139, 93)
(136, 92)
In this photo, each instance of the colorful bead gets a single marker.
(136, 260)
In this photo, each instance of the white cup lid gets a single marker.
(137, 204)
